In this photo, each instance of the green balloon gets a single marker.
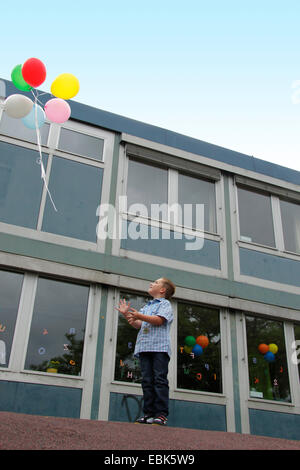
(190, 341)
(18, 80)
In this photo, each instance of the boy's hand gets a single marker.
(134, 314)
(123, 307)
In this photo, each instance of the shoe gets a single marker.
(145, 420)
(161, 420)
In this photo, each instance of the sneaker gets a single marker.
(145, 420)
(161, 420)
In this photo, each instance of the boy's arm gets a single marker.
(153, 319)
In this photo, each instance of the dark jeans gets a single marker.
(154, 368)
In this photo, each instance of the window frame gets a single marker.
(276, 193)
(52, 151)
(197, 170)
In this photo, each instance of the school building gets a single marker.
(65, 350)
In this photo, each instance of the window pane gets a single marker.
(57, 329)
(20, 185)
(10, 292)
(127, 368)
(15, 128)
(197, 191)
(255, 213)
(81, 144)
(199, 372)
(290, 216)
(147, 185)
(268, 373)
(76, 192)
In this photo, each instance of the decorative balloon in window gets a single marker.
(195, 345)
(268, 351)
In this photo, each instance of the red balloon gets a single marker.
(202, 341)
(263, 348)
(34, 72)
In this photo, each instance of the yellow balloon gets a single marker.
(273, 348)
(65, 86)
(188, 349)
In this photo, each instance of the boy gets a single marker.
(153, 348)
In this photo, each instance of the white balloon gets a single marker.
(18, 106)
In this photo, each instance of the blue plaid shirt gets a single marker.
(152, 337)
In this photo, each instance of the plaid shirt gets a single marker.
(151, 337)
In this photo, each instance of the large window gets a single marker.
(177, 198)
(290, 216)
(58, 326)
(255, 215)
(199, 348)
(10, 292)
(73, 159)
(267, 364)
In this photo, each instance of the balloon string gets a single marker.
(40, 160)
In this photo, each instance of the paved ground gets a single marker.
(30, 432)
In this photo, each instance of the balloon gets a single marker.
(18, 80)
(190, 341)
(57, 110)
(263, 348)
(188, 349)
(273, 348)
(269, 356)
(197, 350)
(34, 72)
(18, 106)
(202, 340)
(36, 117)
(65, 86)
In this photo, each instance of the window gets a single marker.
(15, 128)
(267, 364)
(10, 292)
(255, 214)
(81, 144)
(57, 329)
(193, 190)
(76, 191)
(20, 185)
(146, 185)
(290, 216)
(199, 349)
(127, 367)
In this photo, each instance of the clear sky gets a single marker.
(226, 72)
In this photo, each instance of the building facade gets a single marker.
(125, 194)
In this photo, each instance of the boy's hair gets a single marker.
(169, 286)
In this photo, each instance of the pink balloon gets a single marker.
(57, 110)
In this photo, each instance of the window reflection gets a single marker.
(81, 144)
(255, 214)
(20, 185)
(76, 191)
(199, 348)
(57, 330)
(268, 373)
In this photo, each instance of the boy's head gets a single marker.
(162, 287)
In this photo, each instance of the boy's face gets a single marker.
(157, 288)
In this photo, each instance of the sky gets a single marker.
(225, 72)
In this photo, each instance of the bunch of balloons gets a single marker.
(30, 75)
(268, 351)
(195, 345)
